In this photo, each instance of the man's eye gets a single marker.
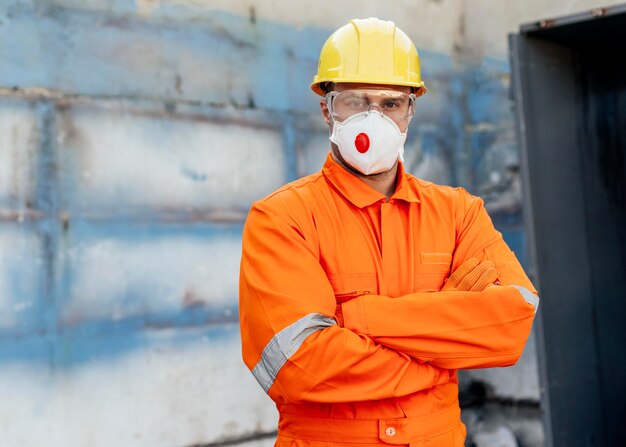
(356, 102)
(391, 105)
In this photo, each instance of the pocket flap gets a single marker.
(349, 285)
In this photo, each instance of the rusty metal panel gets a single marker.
(570, 96)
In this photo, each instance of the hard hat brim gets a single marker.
(316, 86)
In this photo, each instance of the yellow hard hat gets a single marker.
(369, 51)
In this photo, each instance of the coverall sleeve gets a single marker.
(291, 341)
(457, 330)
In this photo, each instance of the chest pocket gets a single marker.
(432, 271)
(350, 285)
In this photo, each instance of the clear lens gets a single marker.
(396, 105)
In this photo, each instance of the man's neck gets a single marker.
(384, 183)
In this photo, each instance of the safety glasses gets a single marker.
(399, 106)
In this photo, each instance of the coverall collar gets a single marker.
(360, 193)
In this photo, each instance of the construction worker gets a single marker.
(363, 289)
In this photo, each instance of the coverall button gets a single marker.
(390, 431)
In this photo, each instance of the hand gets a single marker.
(472, 276)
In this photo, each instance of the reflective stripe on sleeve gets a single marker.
(530, 297)
(284, 344)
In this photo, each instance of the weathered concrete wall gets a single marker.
(134, 136)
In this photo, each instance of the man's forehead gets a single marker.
(338, 87)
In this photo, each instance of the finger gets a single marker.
(461, 272)
(486, 279)
(470, 279)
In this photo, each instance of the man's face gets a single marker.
(347, 99)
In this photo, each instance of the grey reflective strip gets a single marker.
(530, 297)
(284, 344)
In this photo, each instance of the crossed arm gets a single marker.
(471, 323)
(387, 347)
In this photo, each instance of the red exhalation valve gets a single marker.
(362, 142)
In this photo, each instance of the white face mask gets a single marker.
(369, 141)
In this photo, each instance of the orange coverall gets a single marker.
(328, 244)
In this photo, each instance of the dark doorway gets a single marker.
(569, 90)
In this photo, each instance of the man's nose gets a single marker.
(378, 108)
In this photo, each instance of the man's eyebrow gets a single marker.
(392, 98)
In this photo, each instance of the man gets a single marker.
(350, 318)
